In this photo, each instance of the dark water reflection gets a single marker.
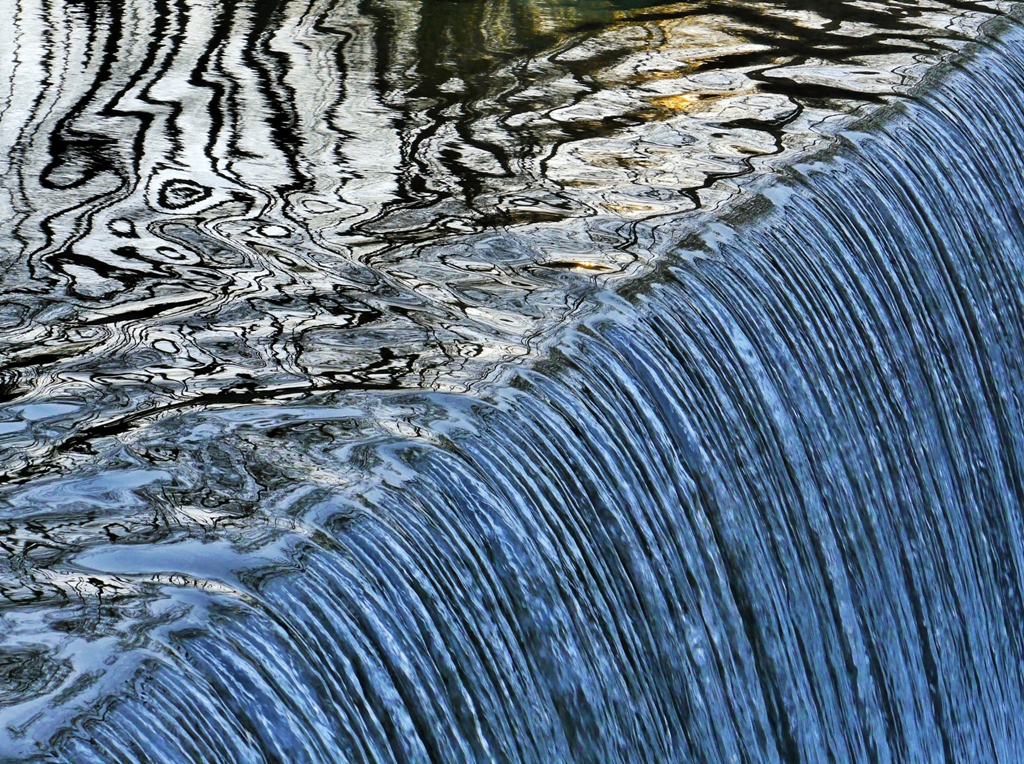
(229, 228)
(209, 199)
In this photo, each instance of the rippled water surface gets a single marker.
(237, 199)
(266, 267)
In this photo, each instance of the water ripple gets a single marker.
(271, 487)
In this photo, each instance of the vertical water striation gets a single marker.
(273, 489)
(761, 505)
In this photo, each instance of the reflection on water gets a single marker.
(210, 199)
(210, 206)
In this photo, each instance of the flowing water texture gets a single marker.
(421, 380)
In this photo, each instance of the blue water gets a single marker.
(760, 504)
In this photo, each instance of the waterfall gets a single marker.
(355, 407)
(762, 504)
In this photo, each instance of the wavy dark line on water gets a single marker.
(763, 505)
